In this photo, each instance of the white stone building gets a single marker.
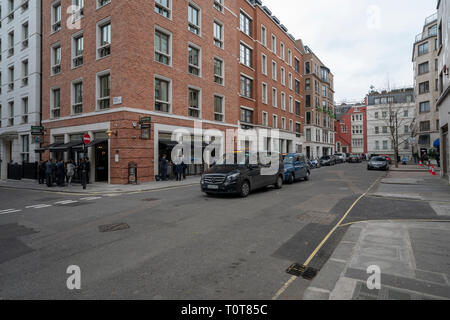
(443, 103)
(379, 138)
(20, 81)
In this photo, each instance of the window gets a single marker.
(78, 50)
(297, 65)
(264, 64)
(424, 87)
(275, 121)
(406, 129)
(308, 84)
(24, 73)
(290, 57)
(423, 68)
(246, 87)
(101, 3)
(422, 49)
(297, 86)
(385, 129)
(324, 91)
(24, 110)
(291, 104)
(11, 113)
(283, 101)
(104, 89)
(385, 145)
(56, 57)
(308, 101)
(194, 61)
(246, 55)
(282, 53)
(56, 17)
(308, 118)
(297, 108)
(218, 71)
(290, 80)
(11, 78)
(194, 103)
(25, 149)
(163, 7)
(25, 35)
(11, 44)
(77, 100)
(384, 114)
(162, 47)
(263, 36)
(424, 106)
(246, 24)
(377, 130)
(218, 34)
(162, 96)
(377, 145)
(78, 9)
(265, 121)
(283, 123)
(193, 19)
(274, 98)
(246, 115)
(274, 44)
(283, 76)
(219, 113)
(104, 45)
(55, 103)
(307, 68)
(405, 113)
(218, 5)
(274, 70)
(264, 93)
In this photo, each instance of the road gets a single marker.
(181, 244)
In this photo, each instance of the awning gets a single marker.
(437, 143)
(66, 146)
(96, 142)
(43, 149)
(9, 135)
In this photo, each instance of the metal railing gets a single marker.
(431, 18)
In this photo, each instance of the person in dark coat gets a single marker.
(60, 173)
(41, 172)
(88, 170)
(164, 165)
(179, 167)
(49, 173)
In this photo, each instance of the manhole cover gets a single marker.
(299, 270)
(113, 227)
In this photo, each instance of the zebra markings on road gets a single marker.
(2, 212)
(65, 202)
(39, 206)
(90, 198)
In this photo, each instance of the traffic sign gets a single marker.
(87, 139)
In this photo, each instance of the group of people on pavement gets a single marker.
(60, 172)
(179, 165)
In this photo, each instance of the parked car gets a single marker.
(378, 163)
(388, 158)
(354, 158)
(295, 167)
(327, 161)
(340, 157)
(242, 172)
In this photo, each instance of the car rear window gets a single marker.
(378, 159)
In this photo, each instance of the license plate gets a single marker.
(213, 187)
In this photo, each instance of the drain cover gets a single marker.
(299, 270)
(113, 227)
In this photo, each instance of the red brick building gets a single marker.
(130, 72)
(351, 129)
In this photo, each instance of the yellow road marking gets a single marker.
(292, 279)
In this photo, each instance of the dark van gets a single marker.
(242, 172)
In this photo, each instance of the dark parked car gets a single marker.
(295, 167)
(378, 163)
(241, 172)
(354, 158)
(340, 157)
(327, 161)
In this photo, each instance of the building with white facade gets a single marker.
(379, 125)
(443, 102)
(20, 81)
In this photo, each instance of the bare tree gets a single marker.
(395, 121)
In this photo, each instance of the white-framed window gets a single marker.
(264, 64)
(282, 51)
(283, 123)
(218, 34)
(164, 8)
(102, 3)
(194, 98)
(11, 43)
(291, 125)
(245, 55)
(24, 110)
(25, 73)
(265, 120)
(163, 47)
(274, 70)
(218, 5)
(77, 97)
(290, 57)
(163, 96)
(194, 60)
(264, 93)
(55, 103)
(245, 24)
(25, 139)
(56, 59)
(275, 121)
(283, 101)
(219, 108)
(77, 49)
(194, 19)
(218, 71)
(263, 35)
(104, 38)
(78, 9)
(274, 98)
(246, 86)
(274, 44)
(25, 35)
(103, 90)
(56, 16)
(283, 76)
(290, 80)
(291, 104)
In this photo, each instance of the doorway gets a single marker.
(101, 162)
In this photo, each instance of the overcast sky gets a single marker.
(363, 42)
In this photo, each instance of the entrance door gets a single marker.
(101, 162)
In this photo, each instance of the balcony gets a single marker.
(431, 19)
(24, 5)
(77, 108)
(10, 86)
(56, 69)
(25, 44)
(104, 103)
(104, 51)
(56, 113)
(10, 52)
(78, 61)
(56, 26)
(427, 34)
(25, 82)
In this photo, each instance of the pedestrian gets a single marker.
(404, 160)
(41, 172)
(184, 166)
(438, 159)
(88, 170)
(179, 167)
(70, 173)
(164, 165)
(54, 171)
(60, 173)
(49, 173)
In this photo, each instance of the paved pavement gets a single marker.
(405, 234)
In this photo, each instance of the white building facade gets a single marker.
(20, 81)
(379, 137)
(443, 102)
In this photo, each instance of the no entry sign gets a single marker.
(87, 139)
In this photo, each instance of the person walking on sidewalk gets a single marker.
(179, 167)
(60, 173)
(41, 170)
(49, 173)
(70, 173)
(164, 165)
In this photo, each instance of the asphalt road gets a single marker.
(180, 244)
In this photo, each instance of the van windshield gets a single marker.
(234, 159)
(289, 159)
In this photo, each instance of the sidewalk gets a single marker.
(412, 168)
(99, 188)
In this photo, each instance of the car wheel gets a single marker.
(307, 176)
(245, 189)
(279, 183)
(291, 179)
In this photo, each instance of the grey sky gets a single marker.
(363, 42)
